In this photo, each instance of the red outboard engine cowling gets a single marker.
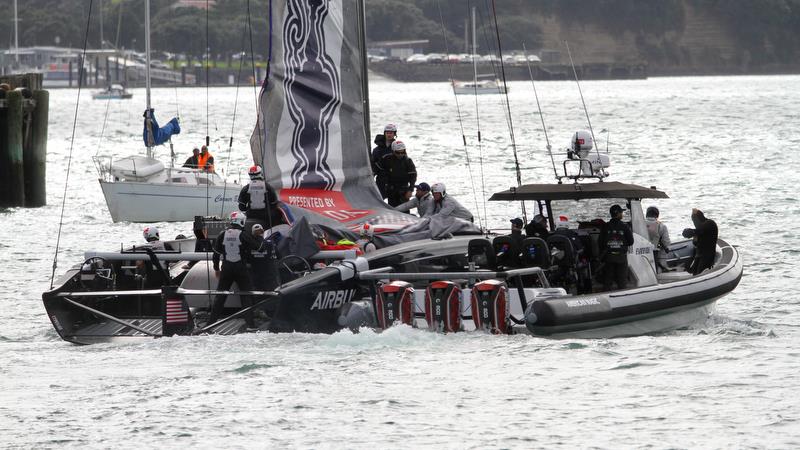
(395, 302)
(490, 307)
(443, 306)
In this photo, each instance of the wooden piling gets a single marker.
(12, 157)
(35, 159)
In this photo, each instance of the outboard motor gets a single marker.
(443, 306)
(395, 303)
(581, 148)
(490, 307)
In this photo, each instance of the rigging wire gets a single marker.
(261, 146)
(541, 116)
(71, 143)
(458, 112)
(508, 108)
(585, 110)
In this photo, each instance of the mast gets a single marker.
(474, 52)
(147, 70)
(16, 33)
(101, 26)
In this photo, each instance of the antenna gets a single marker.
(541, 116)
(586, 111)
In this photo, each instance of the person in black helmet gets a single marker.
(259, 201)
(231, 246)
(383, 147)
(614, 244)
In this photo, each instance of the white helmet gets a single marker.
(398, 146)
(439, 187)
(255, 172)
(562, 222)
(366, 231)
(150, 233)
(390, 127)
(238, 218)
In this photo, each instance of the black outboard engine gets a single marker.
(490, 307)
(394, 303)
(443, 306)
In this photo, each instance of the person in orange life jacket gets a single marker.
(383, 148)
(193, 162)
(614, 244)
(205, 160)
(231, 247)
(259, 201)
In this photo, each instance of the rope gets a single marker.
(541, 116)
(263, 150)
(586, 111)
(458, 111)
(233, 124)
(478, 122)
(71, 143)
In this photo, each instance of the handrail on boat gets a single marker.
(198, 256)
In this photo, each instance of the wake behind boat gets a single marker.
(443, 274)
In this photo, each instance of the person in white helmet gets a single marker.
(366, 234)
(152, 278)
(400, 173)
(231, 247)
(446, 205)
(259, 201)
(383, 147)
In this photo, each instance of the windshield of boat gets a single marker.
(588, 210)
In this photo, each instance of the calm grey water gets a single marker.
(726, 145)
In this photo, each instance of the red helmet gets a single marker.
(255, 172)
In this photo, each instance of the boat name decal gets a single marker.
(582, 302)
(642, 250)
(220, 198)
(332, 299)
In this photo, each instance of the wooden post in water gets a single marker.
(12, 157)
(35, 159)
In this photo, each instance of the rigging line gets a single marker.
(508, 107)
(541, 116)
(207, 56)
(262, 149)
(585, 110)
(71, 142)
(489, 45)
(233, 124)
(477, 113)
(458, 109)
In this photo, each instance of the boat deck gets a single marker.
(107, 331)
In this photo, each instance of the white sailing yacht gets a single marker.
(475, 86)
(142, 189)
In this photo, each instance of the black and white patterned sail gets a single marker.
(311, 132)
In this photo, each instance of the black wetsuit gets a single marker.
(232, 246)
(378, 153)
(191, 162)
(400, 174)
(614, 244)
(534, 229)
(704, 236)
(256, 206)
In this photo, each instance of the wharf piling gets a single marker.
(23, 140)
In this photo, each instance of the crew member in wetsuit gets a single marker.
(152, 277)
(383, 147)
(259, 201)
(400, 173)
(704, 236)
(614, 244)
(263, 262)
(537, 227)
(231, 246)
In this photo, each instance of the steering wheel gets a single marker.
(296, 273)
(97, 274)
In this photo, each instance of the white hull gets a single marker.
(480, 91)
(167, 202)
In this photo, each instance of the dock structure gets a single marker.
(24, 110)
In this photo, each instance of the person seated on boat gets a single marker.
(537, 227)
(263, 263)
(446, 205)
(704, 236)
(659, 237)
(517, 225)
(400, 173)
(383, 147)
(193, 162)
(231, 247)
(614, 244)
(422, 200)
(152, 277)
(259, 200)
(205, 160)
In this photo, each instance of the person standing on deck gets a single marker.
(383, 148)
(704, 236)
(614, 243)
(259, 201)
(400, 173)
(230, 247)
